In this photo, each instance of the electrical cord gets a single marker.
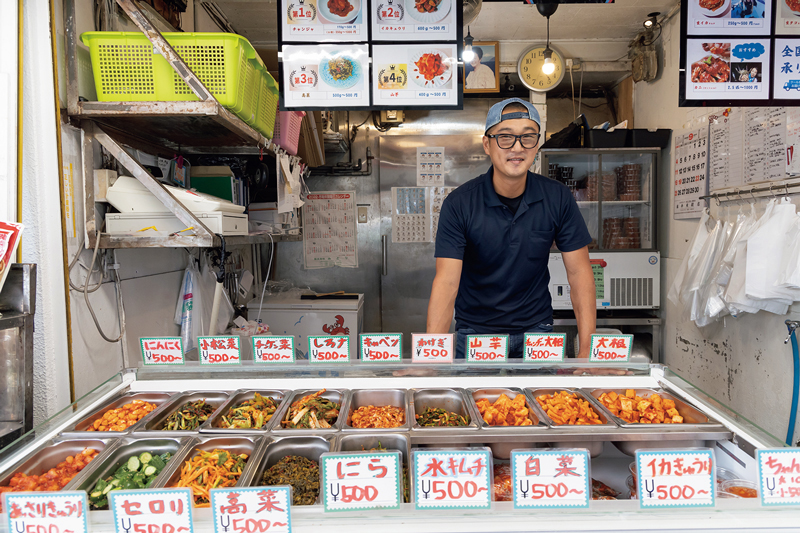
(266, 278)
(88, 276)
(120, 307)
(580, 94)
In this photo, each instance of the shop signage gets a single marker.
(395, 20)
(432, 348)
(325, 76)
(152, 511)
(452, 479)
(356, 481)
(323, 20)
(161, 351)
(487, 348)
(679, 478)
(610, 348)
(544, 347)
(550, 479)
(778, 476)
(272, 349)
(46, 512)
(381, 347)
(252, 510)
(415, 76)
(222, 350)
(329, 349)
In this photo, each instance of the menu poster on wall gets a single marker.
(729, 17)
(725, 71)
(325, 76)
(787, 17)
(415, 20)
(691, 149)
(322, 20)
(415, 76)
(764, 144)
(793, 140)
(726, 142)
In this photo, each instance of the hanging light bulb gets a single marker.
(468, 54)
(548, 67)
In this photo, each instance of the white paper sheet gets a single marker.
(411, 215)
(329, 230)
(691, 147)
(430, 166)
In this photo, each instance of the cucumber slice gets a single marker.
(150, 470)
(133, 464)
(96, 494)
(145, 457)
(109, 488)
(157, 462)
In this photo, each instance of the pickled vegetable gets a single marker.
(189, 417)
(137, 472)
(436, 417)
(299, 472)
(311, 412)
(250, 414)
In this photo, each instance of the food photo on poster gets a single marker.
(724, 71)
(323, 20)
(787, 17)
(414, 20)
(325, 76)
(730, 17)
(415, 76)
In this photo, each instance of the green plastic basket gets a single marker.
(267, 105)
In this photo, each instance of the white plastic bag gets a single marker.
(207, 285)
(765, 248)
(699, 239)
(186, 311)
(789, 275)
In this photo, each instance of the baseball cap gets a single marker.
(495, 115)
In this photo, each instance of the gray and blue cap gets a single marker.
(496, 115)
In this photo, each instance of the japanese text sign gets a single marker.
(452, 479)
(610, 348)
(432, 348)
(219, 350)
(252, 510)
(544, 347)
(382, 347)
(272, 349)
(329, 349)
(152, 511)
(550, 479)
(161, 350)
(679, 478)
(487, 348)
(779, 476)
(46, 512)
(353, 481)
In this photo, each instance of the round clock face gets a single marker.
(530, 72)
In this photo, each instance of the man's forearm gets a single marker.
(582, 294)
(440, 306)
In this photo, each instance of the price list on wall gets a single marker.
(691, 165)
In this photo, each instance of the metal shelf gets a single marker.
(189, 241)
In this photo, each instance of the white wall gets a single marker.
(9, 31)
(742, 362)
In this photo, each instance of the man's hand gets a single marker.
(583, 295)
(443, 294)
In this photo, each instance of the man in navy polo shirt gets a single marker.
(494, 239)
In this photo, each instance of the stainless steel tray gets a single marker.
(356, 442)
(127, 447)
(339, 396)
(212, 425)
(450, 399)
(80, 429)
(535, 414)
(606, 421)
(378, 398)
(155, 425)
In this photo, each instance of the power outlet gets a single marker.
(362, 214)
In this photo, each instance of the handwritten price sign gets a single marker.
(544, 347)
(152, 511)
(779, 476)
(219, 350)
(452, 479)
(382, 347)
(161, 350)
(46, 512)
(272, 349)
(361, 481)
(676, 478)
(610, 348)
(487, 348)
(432, 348)
(550, 479)
(329, 349)
(252, 510)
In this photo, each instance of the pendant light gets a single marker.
(468, 55)
(547, 9)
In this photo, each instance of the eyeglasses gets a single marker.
(507, 141)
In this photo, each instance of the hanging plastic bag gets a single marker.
(698, 275)
(699, 239)
(207, 285)
(186, 311)
(765, 249)
(716, 307)
(789, 275)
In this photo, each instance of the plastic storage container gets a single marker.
(287, 130)
(267, 106)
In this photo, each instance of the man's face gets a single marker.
(515, 161)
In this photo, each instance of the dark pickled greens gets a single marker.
(136, 472)
(189, 416)
(250, 414)
(436, 417)
(311, 412)
(299, 472)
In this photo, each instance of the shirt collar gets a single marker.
(533, 191)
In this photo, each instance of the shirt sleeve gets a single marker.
(572, 233)
(451, 236)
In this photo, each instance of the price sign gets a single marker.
(544, 347)
(354, 481)
(252, 510)
(432, 348)
(219, 350)
(161, 350)
(46, 512)
(383, 347)
(152, 511)
(273, 349)
(680, 478)
(779, 476)
(454, 479)
(329, 349)
(610, 348)
(487, 348)
(550, 479)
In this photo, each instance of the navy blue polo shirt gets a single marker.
(504, 276)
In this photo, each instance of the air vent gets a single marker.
(631, 292)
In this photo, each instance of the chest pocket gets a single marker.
(539, 243)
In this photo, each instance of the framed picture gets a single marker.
(482, 74)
